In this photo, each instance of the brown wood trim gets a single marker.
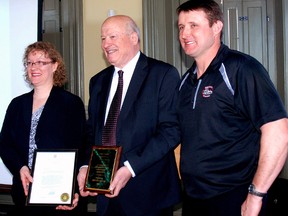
(4, 188)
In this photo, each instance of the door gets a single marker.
(62, 22)
(255, 30)
(246, 27)
(51, 23)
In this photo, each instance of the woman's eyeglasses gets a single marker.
(36, 64)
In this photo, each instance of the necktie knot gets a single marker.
(120, 73)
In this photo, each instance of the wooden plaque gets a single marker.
(104, 162)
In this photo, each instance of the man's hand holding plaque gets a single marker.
(104, 162)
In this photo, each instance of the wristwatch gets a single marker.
(252, 190)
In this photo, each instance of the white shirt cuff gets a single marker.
(127, 164)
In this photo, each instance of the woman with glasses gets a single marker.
(47, 117)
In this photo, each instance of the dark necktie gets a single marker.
(109, 130)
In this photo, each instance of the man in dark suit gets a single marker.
(147, 182)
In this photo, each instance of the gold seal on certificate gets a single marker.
(64, 197)
(103, 164)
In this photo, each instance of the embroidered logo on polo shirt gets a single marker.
(207, 91)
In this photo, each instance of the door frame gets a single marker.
(71, 16)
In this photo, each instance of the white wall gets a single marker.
(18, 20)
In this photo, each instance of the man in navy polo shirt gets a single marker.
(234, 125)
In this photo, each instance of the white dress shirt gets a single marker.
(128, 71)
(127, 75)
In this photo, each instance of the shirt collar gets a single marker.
(130, 66)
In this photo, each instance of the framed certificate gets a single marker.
(104, 162)
(53, 175)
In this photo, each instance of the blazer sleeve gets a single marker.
(167, 133)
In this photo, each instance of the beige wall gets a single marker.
(95, 12)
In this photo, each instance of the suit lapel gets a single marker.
(27, 109)
(106, 84)
(138, 77)
(103, 98)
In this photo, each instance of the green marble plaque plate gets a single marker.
(104, 162)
